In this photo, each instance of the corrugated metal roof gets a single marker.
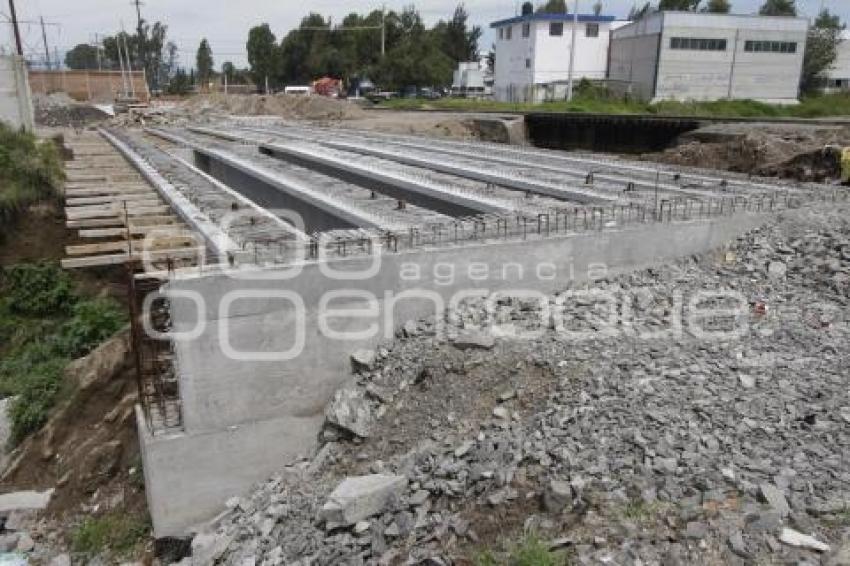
(546, 17)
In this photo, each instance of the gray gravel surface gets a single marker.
(629, 443)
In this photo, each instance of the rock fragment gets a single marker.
(798, 539)
(361, 497)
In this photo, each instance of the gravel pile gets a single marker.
(58, 110)
(616, 446)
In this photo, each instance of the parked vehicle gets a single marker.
(298, 90)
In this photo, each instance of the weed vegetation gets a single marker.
(44, 324)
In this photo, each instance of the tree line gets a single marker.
(394, 49)
(146, 49)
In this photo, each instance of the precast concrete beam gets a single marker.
(421, 194)
(291, 189)
(215, 238)
(566, 193)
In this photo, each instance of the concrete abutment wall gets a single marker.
(245, 419)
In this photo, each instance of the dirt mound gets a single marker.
(804, 153)
(291, 107)
(60, 110)
(88, 451)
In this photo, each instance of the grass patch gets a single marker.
(30, 171)
(531, 551)
(44, 324)
(595, 102)
(642, 512)
(117, 535)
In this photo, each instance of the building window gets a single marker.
(697, 44)
(556, 29)
(528, 63)
(501, 33)
(770, 46)
(591, 30)
(509, 32)
(526, 30)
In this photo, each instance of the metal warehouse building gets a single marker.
(694, 56)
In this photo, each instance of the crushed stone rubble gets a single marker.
(623, 443)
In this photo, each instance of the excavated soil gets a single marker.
(792, 151)
(285, 106)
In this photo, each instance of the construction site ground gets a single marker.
(89, 451)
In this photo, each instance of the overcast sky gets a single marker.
(226, 22)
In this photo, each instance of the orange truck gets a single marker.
(327, 86)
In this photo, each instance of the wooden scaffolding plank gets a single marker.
(95, 222)
(84, 193)
(169, 229)
(106, 247)
(134, 200)
(117, 259)
(81, 212)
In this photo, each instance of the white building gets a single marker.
(838, 77)
(695, 56)
(469, 79)
(533, 54)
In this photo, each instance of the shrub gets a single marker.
(92, 322)
(37, 390)
(115, 534)
(43, 325)
(38, 290)
(30, 170)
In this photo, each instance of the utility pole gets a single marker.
(44, 39)
(383, 30)
(97, 46)
(142, 54)
(572, 53)
(129, 67)
(15, 27)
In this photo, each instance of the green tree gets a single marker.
(821, 50)
(459, 41)
(204, 62)
(778, 8)
(717, 7)
(153, 45)
(262, 54)
(180, 83)
(228, 70)
(82, 56)
(679, 5)
(637, 13)
(553, 7)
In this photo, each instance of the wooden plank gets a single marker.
(152, 220)
(117, 259)
(81, 212)
(170, 229)
(95, 222)
(137, 201)
(77, 193)
(101, 185)
(153, 245)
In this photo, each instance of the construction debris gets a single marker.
(648, 449)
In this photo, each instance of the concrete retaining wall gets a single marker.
(245, 419)
(15, 99)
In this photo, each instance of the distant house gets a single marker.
(533, 54)
(838, 76)
(697, 56)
